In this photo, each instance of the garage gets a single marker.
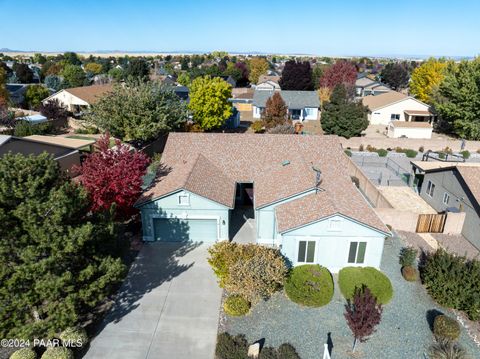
(181, 230)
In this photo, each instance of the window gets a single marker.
(356, 253)
(446, 198)
(308, 112)
(306, 252)
(334, 225)
(184, 199)
(430, 188)
(394, 117)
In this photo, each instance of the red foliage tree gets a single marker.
(363, 314)
(276, 111)
(343, 72)
(113, 176)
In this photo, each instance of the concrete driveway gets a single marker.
(168, 307)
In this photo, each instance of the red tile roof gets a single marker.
(280, 166)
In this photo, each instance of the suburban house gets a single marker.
(393, 107)
(66, 151)
(76, 99)
(266, 82)
(302, 105)
(365, 86)
(453, 187)
(242, 98)
(303, 200)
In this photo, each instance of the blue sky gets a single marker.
(335, 27)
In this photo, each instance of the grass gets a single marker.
(310, 285)
(350, 278)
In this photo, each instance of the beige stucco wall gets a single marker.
(382, 116)
(454, 223)
(399, 220)
(409, 132)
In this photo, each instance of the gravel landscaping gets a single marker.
(403, 333)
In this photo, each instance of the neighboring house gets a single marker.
(66, 151)
(397, 129)
(365, 86)
(77, 99)
(182, 92)
(230, 80)
(395, 106)
(302, 105)
(268, 78)
(267, 86)
(453, 187)
(16, 93)
(242, 99)
(304, 201)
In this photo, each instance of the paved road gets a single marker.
(168, 307)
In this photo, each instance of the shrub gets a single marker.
(446, 327)
(236, 305)
(350, 278)
(268, 353)
(371, 148)
(231, 347)
(409, 273)
(25, 128)
(382, 153)
(24, 353)
(87, 130)
(251, 270)
(421, 149)
(447, 150)
(441, 155)
(453, 281)
(57, 353)
(310, 285)
(411, 153)
(348, 153)
(257, 126)
(287, 351)
(361, 148)
(446, 349)
(408, 256)
(75, 334)
(285, 129)
(465, 154)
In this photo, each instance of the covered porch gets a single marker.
(418, 116)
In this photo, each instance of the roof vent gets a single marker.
(285, 163)
(318, 178)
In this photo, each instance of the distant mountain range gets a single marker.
(388, 56)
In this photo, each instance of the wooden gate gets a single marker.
(431, 223)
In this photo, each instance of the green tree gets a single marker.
(209, 102)
(457, 100)
(137, 69)
(55, 264)
(73, 76)
(39, 59)
(93, 68)
(257, 66)
(426, 78)
(184, 79)
(139, 111)
(53, 82)
(71, 58)
(395, 75)
(116, 74)
(343, 117)
(35, 94)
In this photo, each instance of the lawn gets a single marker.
(403, 333)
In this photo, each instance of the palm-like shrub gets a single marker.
(445, 349)
(310, 285)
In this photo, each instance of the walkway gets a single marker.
(167, 308)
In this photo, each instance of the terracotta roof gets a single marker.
(471, 176)
(280, 166)
(379, 101)
(412, 124)
(90, 94)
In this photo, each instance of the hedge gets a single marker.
(58, 353)
(310, 285)
(236, 305)
(24, 353)
(350, 278)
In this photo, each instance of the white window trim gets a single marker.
(183, 195)
(446, 194)
(306, 239)
(358, 241)
(430, 188)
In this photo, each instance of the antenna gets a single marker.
(318, 177)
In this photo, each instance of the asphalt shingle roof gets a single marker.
(279, 166)
(293, 99)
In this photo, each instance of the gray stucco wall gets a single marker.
(451, 182)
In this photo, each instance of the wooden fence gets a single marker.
(431, 223)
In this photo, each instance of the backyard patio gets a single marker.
(403, 333)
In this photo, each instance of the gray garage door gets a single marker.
(179, 230)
